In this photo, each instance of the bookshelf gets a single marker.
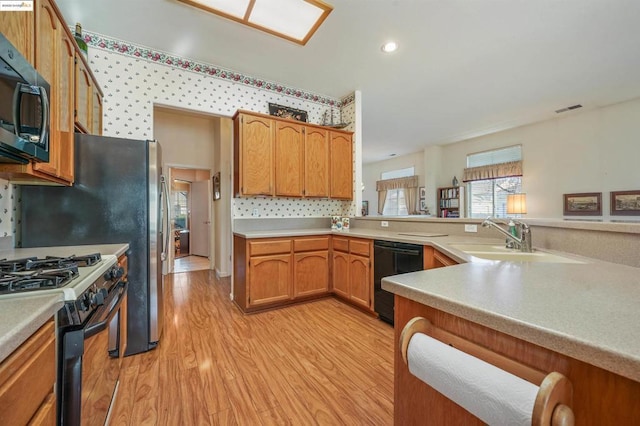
(451, 201)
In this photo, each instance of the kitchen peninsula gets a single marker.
(578, 318)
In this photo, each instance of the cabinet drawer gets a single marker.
(360, 247)
(259, 248)
(340, 244)
(310, 244)
(31, 366)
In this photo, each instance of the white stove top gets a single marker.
(87, 275)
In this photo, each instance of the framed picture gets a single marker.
(287, 112)
(584, 204)
(625, 203)
(216, 186)
(423, 192)
(365, 208)
(423, 205)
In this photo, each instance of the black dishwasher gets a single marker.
(391, 258)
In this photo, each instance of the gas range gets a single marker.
(69, 275)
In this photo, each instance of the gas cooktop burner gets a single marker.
(31, 273)
(33, 263)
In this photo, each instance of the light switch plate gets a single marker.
(384, 224)
(470, 228)
(255, 213)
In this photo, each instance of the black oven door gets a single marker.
(91, 364)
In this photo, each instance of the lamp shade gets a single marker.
(516, 203)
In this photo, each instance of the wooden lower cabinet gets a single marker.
(599, 396)
(352, 271)
(27, 380)
(270, 272)
(269, 279)
(340, 274)
(311, 273)
(360, 281)
(433, 258)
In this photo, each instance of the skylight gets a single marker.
(294, 20)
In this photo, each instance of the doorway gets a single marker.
(190, 218)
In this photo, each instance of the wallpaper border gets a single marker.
(153, 55)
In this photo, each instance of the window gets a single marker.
(395, 203)
(488, 197)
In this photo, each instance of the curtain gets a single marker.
(382, 198)
(411, 196)
(493, 171)
(408, 184)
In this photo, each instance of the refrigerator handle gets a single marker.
(167, 215)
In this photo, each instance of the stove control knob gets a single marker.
(98, 298)
(114, 273)
(89, 299)
(83, 303)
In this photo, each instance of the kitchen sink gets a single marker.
(497, 252)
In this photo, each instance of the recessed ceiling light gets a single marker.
(294, 20)
(389, 47)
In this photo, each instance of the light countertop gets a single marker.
(588, 311)
(20, 317)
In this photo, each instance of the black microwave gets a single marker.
(24, 108)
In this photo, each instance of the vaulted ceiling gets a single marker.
(463, 68)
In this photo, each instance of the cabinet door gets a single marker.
(18, 28)
(360, 280)
(269, 279)
(47, 32)
(289, 159)
(311, 273)
(256, 150)
(341, 166)
(340, 275)
(316, 162)
(83, 96)
(66, 67)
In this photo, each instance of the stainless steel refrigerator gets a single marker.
(119, 196)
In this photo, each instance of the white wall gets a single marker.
(371, 173)
(590, 151)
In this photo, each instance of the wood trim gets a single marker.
(286, 120)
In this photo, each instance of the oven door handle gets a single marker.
(108, 310)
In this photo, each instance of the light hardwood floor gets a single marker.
(322, 362)
(190, 263)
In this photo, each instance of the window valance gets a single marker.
(397, 183)
(493, 171)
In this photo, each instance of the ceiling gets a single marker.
(464, 68)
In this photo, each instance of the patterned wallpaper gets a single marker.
(6, 209)
(134, 78)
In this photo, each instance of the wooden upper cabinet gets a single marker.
(18, 28)
(341, 165)
(286, 158)
(83, 98)
(254, 147)
(289, 159)
(65, 87)
(47, 32)
(316, 162)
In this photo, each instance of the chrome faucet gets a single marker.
(523, 242)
